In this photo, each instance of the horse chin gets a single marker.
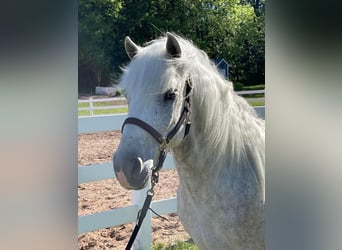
(138, 178)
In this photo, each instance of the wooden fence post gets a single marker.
(144, 237)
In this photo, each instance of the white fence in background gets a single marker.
(91, 101)
(96, 172)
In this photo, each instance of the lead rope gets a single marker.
(150, 193)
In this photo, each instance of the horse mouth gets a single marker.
(134, 176)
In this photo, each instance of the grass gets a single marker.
(180, 245)
(261, 95)
(95, 104)
(83, 105)
(103, 111)
(99, 104)
(254, 87)
(100, 111)
(257, 103)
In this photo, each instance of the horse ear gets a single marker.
(131, 48)
(172, 46)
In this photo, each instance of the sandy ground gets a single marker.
(108, 194)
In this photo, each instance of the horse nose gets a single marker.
(130, 171)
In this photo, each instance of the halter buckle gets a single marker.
(163, 144)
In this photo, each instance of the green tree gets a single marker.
(97, 25)
(245, 50)
(230, 29)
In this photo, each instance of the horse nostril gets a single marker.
(141, 164)
(139, 171)
(131, 172)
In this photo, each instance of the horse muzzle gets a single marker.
(132, 172)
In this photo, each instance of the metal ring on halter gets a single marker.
(163, 144)
(150, 192)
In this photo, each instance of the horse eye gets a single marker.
(170, 95)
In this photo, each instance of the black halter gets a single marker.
(163, 144)
(164, 141)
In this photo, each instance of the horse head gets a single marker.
(157, 90)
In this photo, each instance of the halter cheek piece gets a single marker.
(163, 144)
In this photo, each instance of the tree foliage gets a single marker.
(231, 29)
(97, 25)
